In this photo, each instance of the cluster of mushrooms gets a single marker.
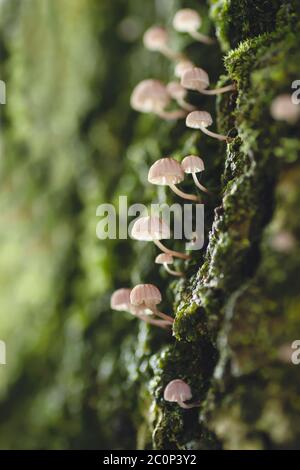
(153, 96)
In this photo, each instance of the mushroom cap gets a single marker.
(182, 66)
(187, 20)
(155, 38)
(176, 91)
(177, 390)
(198, 119)
(145, 295)
(149, 96)
(195, 79)
(165, 171)
(192, 164)
(120, 300)
(283, 109)
(150, 228)
(164, 258)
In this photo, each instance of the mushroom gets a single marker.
(169, 172)
(283, 109)
(151, 96)
(178, 93)
(156, 38)
(179, 392)
(120, 301)
(189, 21)
(148, 296)
(202, 120)
(182, 66)
(192, 164)
(198, 79)
(154, 229)
(166, 259)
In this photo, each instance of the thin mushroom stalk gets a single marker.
(199, 185)
(202, 120)
(171, 115)
(172, 271)
(160, 314)
(176, 254)
(220, 137)
(202, 38)
(188, 406)
(152, 321)
(190, 197)
(217, 91)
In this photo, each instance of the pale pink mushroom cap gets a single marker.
(176, 91)
(182, 67)
(150, 96)
(192, 164)
(155, 38)
(120, 300)
(283, 109)
(164, 258)
(198, 119)
(195, 79)
(149, 229)
(186, 20)
(177, 391)
(145, 295)
(166, 171)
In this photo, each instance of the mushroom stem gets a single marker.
(172, 271)
(218, 91)
(190, 197)
(187, 407)
(176, 254)
(162, 315)
(171, 55)
(160, 323)
(185, 105)
(202, 38)
(213, 134)
(198, 184)
(172, 115)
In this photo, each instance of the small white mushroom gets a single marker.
(165, 260)
(152, 228)
(202, 120)
(178, 93)
(283, 109)
(197, 79)
(179, 392)
(120, 301)
(157, 39)
(189, 21)
(148, 296)
(151, 96)
(169, 172)
(192, 164)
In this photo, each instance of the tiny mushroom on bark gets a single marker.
(120, 301)
(165, 260)
(178, 93)
(151, 96)
(179, 392)
(189, 21)
(283, 109)
(154, 229)
(202, 120)
(156, 38)
(182, 66)
(169, 172)
(148, 296)
(197, 79)
(192, 164)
